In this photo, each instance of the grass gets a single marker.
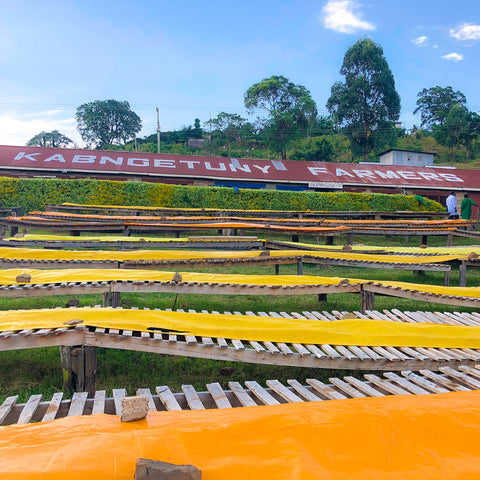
(28, 372)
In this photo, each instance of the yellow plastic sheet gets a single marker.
(427, 437)
(341, 332)
(38, 254)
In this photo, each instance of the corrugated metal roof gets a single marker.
(315, 174)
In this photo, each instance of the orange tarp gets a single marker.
(429, 437)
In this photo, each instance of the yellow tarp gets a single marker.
(38, 254)
(341, 332)
(8, 277)
(427, 437)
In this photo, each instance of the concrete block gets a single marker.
(134, 408)
(155, 470)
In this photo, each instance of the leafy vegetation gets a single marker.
(34, 193)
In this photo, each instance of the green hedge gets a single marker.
(35, 193)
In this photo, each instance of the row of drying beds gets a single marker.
(253, 394)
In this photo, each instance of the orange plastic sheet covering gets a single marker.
(363, 332)
(37, 254)
(427, 437)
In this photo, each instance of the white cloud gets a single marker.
(435, 46)
(339, 16)
(420, 40)
(466, 31)
(454, 57)
(17, 129)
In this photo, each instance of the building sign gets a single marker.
(314, 174)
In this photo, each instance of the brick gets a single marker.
(134, 408)
(156, 470)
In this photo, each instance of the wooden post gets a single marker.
(424, 240)
(350, 238)
(277, 269)
(300, 267)
(367, 301)
(79, 366)
(295, 238)
(3, 231)
(450, 239)
(115, 299)
(322, 297)
(329, 240)
(462, 275)
(446, 280)
(13, 231)
(107, 299)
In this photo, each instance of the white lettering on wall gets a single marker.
(84, 159)
(317, 170)
(190, 163)
(408, 175)
(450, 177)
(221, 167)
(117, 161)
(138, 162)
(364, 173)
(164, 163)
(388, 174)
(23, 155)
(55, 158)
(429, 175)
(339, 172)
(263, 169)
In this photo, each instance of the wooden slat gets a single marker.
(462, 377)
(99, 402)
(424, 382)
(403, 382)
(218, 395)
(167, 398)
(145, 392)
(6, 407)
(447, 382)
(53, 407)
(283, 391)
(364, 387)
(29, 409)
(325, 390)
(345, 387)
(303, 391)
(192, 398)
(386, 385)
(118, 394)
(77, 404)
(265, 397)
(242, 395)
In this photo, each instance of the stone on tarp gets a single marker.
(134, 408)
(23, 278)
(155, 470)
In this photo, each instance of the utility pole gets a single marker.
(158, 130)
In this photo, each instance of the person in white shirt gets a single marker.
(452, 206)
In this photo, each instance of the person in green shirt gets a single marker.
(466, 207)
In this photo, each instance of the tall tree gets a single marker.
(107, 122)
(49, 139)
(434, 105)
(290, 109)
(368, 97)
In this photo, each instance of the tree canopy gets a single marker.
(107, 122)
(49, 139)
(367, 98)
(434, 104)
(290, 110)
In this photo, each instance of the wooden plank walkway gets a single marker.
(383, 358)
(214, 396)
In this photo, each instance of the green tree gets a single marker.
(434, 105)
(107, 122)
(368, 97)
(49, 139)
(290, 109)
(318, 149)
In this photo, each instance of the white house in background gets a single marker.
(405, 157)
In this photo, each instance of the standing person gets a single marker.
(452, 206)
(466, 207)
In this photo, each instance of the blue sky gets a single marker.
(195, 59)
